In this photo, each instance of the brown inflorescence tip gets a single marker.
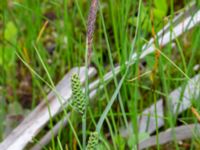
(91, 26)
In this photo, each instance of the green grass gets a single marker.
(29, 70)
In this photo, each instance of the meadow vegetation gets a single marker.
(48, 38)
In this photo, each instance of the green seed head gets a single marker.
(78, 98)
(93, 141)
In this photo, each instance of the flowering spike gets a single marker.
(78, 98)
(93, 141)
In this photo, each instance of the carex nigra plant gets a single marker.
(79, 99)
(88, 53)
